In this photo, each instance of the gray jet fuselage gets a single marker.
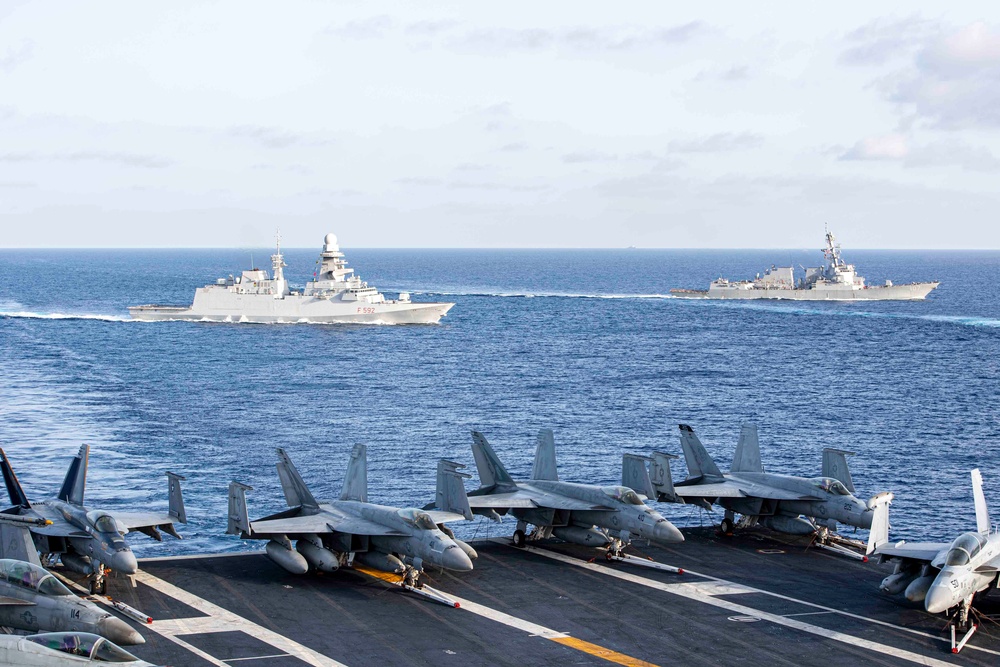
(424, 539)
(635, 517)
(48, 606)
(960, 577)
(102, 539)
(847, 509)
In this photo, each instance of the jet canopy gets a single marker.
(83, 644)
(415, 517)
(831, 485)
(623, 494)
(103, 522)
(964, 549)
(32, 577)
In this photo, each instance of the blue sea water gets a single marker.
(587, 342)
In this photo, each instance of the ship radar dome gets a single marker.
(331, 241)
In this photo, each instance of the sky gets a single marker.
(499, 125)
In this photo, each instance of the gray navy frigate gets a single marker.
(836, 280)
(332, 296)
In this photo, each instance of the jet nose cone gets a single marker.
(939, 599)
(119, 631)
(124, 562)
(666, 533)
(866, 518)
(454, 558)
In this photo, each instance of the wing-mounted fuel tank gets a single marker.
(77, 563)
(588, 537)
(792, 525)
(283, 555)
(317, 555)
(381, 561)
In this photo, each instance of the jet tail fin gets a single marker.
(356, 478)
(635, 475)
(239, 517)
(747, 456)
(491, 471)
(450, 496)
(835, 466)
(699, 463)
(14, 489)
(16, 543)
(879, 532)
(296, 492)
(75, 481)
(982, 513)
(545, 457)
(663, 483)
(176, 497)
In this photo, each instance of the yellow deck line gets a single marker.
(532, 629)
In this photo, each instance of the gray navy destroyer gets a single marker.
(332, 296)
(836, 280)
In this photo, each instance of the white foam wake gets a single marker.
(66, 316)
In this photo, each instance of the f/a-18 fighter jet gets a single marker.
(946, 576)
(88, 541)
(33, 600)
(583, 514)
(330, 535)
(776, 501)
(63, 649)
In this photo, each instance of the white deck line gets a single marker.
(694, 592)
(224, 620)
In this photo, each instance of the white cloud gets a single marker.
(885, 147)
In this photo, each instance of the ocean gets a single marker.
(586, 342)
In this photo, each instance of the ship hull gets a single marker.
(299, 310)
(909, 292)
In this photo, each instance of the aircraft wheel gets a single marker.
(519, 539)
(726, 526)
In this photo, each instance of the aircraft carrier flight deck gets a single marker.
(756, 598)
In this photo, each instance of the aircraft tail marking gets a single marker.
(747, 457)
(982, 513)
(239, 518)
(176, 497)
(451, 496)
(635, 475)
(835, 466)
(296, 492)
(75, 482)
(662, 481)
(545, 457)
(14, 489)
(356, 478)
(699, 463)
(491, 471)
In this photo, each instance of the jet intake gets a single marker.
(318, 557)
(292, 561)
(791, 525)
(77, 563)
(381, 561)
(588, 537)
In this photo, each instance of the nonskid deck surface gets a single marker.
(751, 599)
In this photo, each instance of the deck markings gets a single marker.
(695, 591)
(223, 620)
(533, 629)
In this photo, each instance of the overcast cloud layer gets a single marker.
(499, 125)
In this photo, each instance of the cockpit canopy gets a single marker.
(964, 549)
(32, 577)
(623, 494)
(83, 644)
(415, 517)
(103, 522)
(831, 485)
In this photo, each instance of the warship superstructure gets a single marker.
(333, 295)
(836, 280)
